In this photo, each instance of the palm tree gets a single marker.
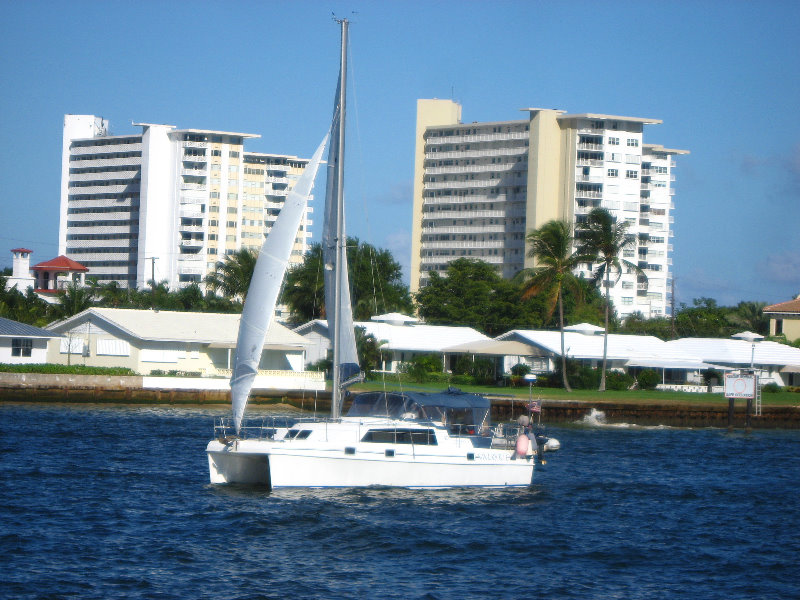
(74, 300)
(551, 249)
(232, 276)
(604, 239)
(750, 315)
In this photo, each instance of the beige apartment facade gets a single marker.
(480, 187)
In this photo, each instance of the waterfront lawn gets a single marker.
(781, 398)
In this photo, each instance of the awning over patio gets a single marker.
(495, 348)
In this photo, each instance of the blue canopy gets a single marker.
(422, 404)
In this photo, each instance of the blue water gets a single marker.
(115, 503)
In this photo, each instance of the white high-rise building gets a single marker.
(480, 187)
(167, 204)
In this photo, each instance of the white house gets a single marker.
(584, 342)
(23, 344)
(149, 340)
(776, 362)
(400, 338)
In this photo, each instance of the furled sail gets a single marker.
(265, 286)
(333, 244)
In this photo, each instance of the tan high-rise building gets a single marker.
(167, 203)
(480, 187)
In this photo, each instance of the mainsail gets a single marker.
(338, 308)
(265, 286)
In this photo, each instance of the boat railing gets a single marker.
(258, 428)
(504, 435)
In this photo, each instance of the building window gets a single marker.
(613, 173)
(627, 300)
(613, 141)
(778, 327)
(633, 143)
(631, 174)
(21, 347)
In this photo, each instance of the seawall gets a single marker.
(35, 387)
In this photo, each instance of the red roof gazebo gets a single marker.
(56, 274)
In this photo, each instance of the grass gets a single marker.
(624, 396)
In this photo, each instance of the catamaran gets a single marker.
(399, 439)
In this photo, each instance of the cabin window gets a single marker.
(297, 434)
(422, 437)
(21, 347)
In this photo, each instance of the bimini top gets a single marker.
(421, 405)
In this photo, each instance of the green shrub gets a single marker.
(616, 380)
(709, 375)
(520, 370)
(424, 367)
(585, 378)
(52, 369)
(648, 379)
(771, 388)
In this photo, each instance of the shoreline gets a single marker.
(98, 390)
(554, 411)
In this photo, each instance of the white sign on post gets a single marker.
(740, 386)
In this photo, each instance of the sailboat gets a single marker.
(398, 439)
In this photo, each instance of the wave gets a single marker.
(597, 418)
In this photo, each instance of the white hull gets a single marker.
(285, 464)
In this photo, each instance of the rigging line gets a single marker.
(360, 152)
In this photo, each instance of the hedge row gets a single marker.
(49, 369)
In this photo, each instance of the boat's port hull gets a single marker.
(271, 464)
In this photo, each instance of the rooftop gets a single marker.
(219, 330)
(792, 306)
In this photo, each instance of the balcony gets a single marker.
(496, 168)
(129, 188)
(193, 186)
(479, 153)
(194, 172)
(473, 183)
(105, 149)
(585, 146)
(432, 260)
(589, 162)
(482, 137)
(192, 243)
(464, 214)
(469, 244)
(194, 144)
(133, 174)
(469, 229)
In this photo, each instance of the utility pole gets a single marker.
(672, 308)
(153, 271)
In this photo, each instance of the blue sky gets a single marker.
(723, 76)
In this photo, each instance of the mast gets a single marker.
(341, 242)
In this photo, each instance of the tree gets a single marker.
(604, 238)
(75, 299)
(232, 275)
(369, 353)
(474, 295)
(750, 316)
(109, 294)
(703, 319)
(636, 324)
(375, 278)
(551, 249)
